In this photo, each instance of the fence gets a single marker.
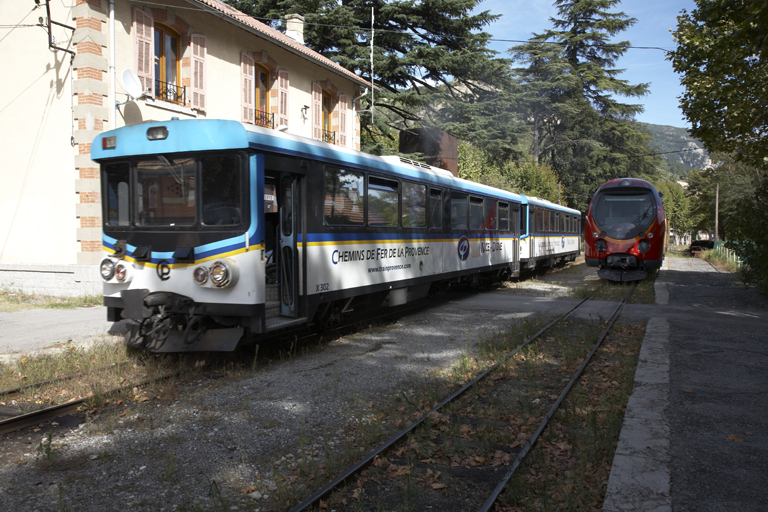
(729, 254)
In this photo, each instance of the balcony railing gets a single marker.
(265, 119)
(329, 137)
(170, 92)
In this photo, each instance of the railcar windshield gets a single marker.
(624, 215)
(170, 191)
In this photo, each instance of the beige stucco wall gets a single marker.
(37, 191)
(224, 44)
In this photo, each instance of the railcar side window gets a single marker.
(344, 194)
(458, 210)
(414, 205)
(489, 213)
(382, 202)
(552, 221)
(503, 217)
(475, 213)
(118, 195)
(436, 208)
(222, 186)
(166, 191)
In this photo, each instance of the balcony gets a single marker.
(264, 119)
(329, 137)
(171, 93)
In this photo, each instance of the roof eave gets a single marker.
(231, 19)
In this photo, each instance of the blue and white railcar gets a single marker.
(549, 233)
(215, 231)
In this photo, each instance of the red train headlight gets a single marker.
(643, 245)
(601, 246)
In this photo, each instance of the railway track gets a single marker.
(11, 421)
(375, 456)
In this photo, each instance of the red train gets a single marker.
(625, 230)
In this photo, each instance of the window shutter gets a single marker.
(246, 81)
(143, 32)
(198, 71)
(317, 112)
(343, 120)
(282, 112)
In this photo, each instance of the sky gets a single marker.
(521, 18)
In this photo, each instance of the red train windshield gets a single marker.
(624, 214)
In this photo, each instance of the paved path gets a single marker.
(30, 330)
(695, 435)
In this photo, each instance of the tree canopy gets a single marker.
(722, 56)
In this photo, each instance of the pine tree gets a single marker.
(431, 62)
(586, 134)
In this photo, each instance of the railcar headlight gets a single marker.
(595, 235)
(107, 269)
(200, 275)
(650, 235)
(220, 274)
(643, 245)
(601, 246)
(121, 272)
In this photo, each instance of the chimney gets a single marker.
(295, 27)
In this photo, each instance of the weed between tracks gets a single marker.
(456, 457)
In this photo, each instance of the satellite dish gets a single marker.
(132, 84)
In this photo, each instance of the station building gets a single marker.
(64, 84)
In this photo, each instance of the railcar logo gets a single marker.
(463, 248)
(563, 242)
(164, 270)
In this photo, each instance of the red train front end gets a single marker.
(625, 232)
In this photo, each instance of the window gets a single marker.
(246, 88)
(166, 192)
(326, 121)
(552, 221)
(435, 208)
(261, 97)
(342, 106)
(489, 214)
(475, 213)
(344, 193)
(282, 88)
(458, 210)
(540, 227)
(198, 71)
(221, 190)
(503, 217)
(414, 205)
(168, 65)
(118, 195)
(382, 202)
(142, 32)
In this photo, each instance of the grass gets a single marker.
(720, 261)
(15, 300)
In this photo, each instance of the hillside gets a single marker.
(669, 139)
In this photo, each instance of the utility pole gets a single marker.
(717, 211)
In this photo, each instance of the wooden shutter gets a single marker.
(143, 33)
(343, 120)
(317, 112)
(282, 109)
(246, 82)
(198, 71)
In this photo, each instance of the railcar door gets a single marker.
(289, 206)
(532, 227)
(515, 225)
